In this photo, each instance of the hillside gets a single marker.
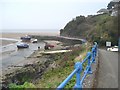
(100, 28)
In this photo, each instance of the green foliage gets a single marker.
(53, 77)
(71, 83)
(13, 86)
(99, 28)
(65, 62)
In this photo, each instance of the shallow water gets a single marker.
(11, 55)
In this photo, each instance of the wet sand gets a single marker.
(10, 35)
(6, 42)
(18, 35)
(20, 57)
(26, 51)
(35, 57)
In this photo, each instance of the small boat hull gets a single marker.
(26, 38)
(34, 41)
(23, 46)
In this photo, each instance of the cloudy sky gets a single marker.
(40, 15)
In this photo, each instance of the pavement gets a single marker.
(108, 69)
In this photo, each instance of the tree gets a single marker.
(103, 10)
(110, 5)
(113, 4)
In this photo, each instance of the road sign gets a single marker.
(108, 44)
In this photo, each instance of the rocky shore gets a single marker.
(37, 64)
(33, 67)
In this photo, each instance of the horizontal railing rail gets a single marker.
(90, 58)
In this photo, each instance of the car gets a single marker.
(66, 48)
(114, 49)
(50, 45)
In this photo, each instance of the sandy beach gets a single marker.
(6, 42)
(18, 35)
(10, 35)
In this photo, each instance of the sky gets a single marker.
(44, 15)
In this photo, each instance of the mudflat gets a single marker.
(12, 35)
(18, 35)
(6, 42)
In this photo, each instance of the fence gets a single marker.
(90, 58)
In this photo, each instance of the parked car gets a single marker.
(114, 49)
(51, 46)
(66, 48)
(48, 46)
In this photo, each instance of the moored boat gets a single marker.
(34, 41)
(26, 38)
(22, 45)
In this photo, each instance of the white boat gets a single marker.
(34, 41)
(22, 45)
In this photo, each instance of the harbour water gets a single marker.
(12, 56)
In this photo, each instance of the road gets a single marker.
(108, 69)
(71, 38)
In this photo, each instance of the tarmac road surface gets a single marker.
(108, 69)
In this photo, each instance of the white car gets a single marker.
(114, 49)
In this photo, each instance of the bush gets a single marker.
(13, 86)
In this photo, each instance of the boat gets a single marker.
(34, 41)
(26, 38)
(22, 45)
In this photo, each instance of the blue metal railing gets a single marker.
(90, 58)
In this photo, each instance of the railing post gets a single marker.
(95, 50)
(78, 85)
(93, 55)
(96, 47)
(89, 61)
